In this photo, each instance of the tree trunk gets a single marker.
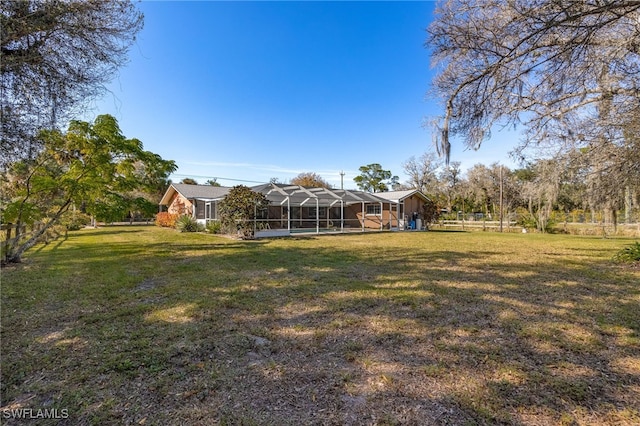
(627, 205)
(15, 255)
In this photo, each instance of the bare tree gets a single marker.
(540, 187)
(55, 56)
(482, 188)
(569, 70)
(450, 179)
(423, 172)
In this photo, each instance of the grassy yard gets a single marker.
(142, 325)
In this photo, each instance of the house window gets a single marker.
(211, 211)
(374, 209)
(199, 208)
(315, 212)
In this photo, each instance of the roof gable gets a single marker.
(190, 192)
(201, 191)
(398, 196)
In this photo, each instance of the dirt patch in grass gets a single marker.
(147, 326)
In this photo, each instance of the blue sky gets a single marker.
(249, 91)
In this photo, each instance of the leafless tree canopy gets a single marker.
(422, 172)
(55, 55)
(567, 70)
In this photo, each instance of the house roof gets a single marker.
(199, 192)
(398, 196)
(295, 195)
(281, 194)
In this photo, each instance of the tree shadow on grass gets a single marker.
(282, 333)
(102, 232)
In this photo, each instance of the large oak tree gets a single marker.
(568, 71)
(55, 56)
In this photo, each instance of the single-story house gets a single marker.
(193, 200)
(410, 206)
(294, 208)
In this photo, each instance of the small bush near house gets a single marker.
(430, 213)
(186, 223)
(166, 220)
(213, 227)
(628, 254)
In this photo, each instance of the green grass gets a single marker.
(142, 325)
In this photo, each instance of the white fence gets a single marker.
(476, 225)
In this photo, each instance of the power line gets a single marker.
(215, 177)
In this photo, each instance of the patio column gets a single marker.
(382, 215)
(317, 217)
(288, 214)
(391, 216)
(397, 216)
(341, 215)
(328, 209)
(363, 216)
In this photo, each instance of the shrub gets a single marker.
(213, 227)
(166, 220)
(430, 213)
(186, 223)
(528, 221)
(238, 210)
(628, 254)
(74, 221)
(535, 221)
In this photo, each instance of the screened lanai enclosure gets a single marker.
(297, 209)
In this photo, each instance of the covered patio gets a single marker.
(296, 209)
